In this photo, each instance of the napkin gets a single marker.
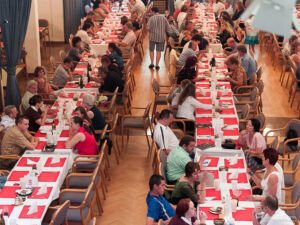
(233, 160)
(30, 162)
(234, 175)
(42, 190)
(33, 208)
(55, 160)
(63, 93)
(202, 92)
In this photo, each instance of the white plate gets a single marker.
(24, 192)
(49, 120)
(213, 212)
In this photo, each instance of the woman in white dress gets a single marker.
(271, 183)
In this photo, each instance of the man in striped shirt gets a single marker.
(158, 26)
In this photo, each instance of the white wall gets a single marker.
(52, 10)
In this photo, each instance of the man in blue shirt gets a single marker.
(247, 61)
(158, 206)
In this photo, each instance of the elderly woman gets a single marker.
(81, 138)
(36, 117)
(32, 87)
(188, 185)
(185, 214)
(255, 143)
(237, 75)
(272, 180)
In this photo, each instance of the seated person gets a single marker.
(89, 17)
(187, 33)
(124, 20)
(110, 81)
(185, 213)
(136, 28)
(190, 51)
(129, 38)
(231, 47)
(81, 138)
(173, 31)
(163, 135)
(81, 112)
(63, 73)
(137, 6)
(188, 185)
(158, 206)
(93, 112)
(31, 88)
(76, 53)
(116, 54)
(255, 143)
(179, 157)
(134, 16)
(16, 140)
(247, 61)
(273, 214)
(44, 87)
(189, 71)
(237, 75)
(101, 13)
(107, 62)
(36, 117)
(272, 180)
(84, 34)
(9, 117)
(173, 97)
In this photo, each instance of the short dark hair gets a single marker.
(91, 13)
(86, 26)
(197, 37)
(102, 69)
(165, 114)
(190, 168)
(154, 9)
(293, 38)
(20, 118)
(106, 59)
(242, 48)
(182, 207)
(75, 40)
(184, 8)
(256, 124)
(155, 179)
(68, 59)
(191, 61)
(124, 20)
(186, 140)
(271, 202)
(272, 155)
(35, 99)
(232, 59)
(136, 25)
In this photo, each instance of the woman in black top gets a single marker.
(239, 10)
(189, 70)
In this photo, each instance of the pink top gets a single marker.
(258, 141)
(88, 146)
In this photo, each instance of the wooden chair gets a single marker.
(294, 88)
(70, 40)
(182, 122)
(62, 55)
(53, 63)
(162, 171)
(109, 111)
(93, 221)
(290, 175)
(161, 222)
(243, 111)
(60, 215)
(136, 122)
(263, 121)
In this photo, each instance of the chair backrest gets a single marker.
(114, 122)
(274, 143)
(260, 86)
(259, 73)
(163, 158)
(262, 120)
(245, 111)
(53, 63)
(253, 78)
(147, 110)
(155, 86)
(295, 161)
(61, 213)
(253, 94)
(172, 79)
(295, 198)
(62, 55)
(70, 40)
(162, 171)
(43, 23)
(295, 124)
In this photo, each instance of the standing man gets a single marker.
(158, 26)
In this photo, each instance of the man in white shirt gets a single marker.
(228, 8)
(137, 6)
(8, 119)
(163, 135)
(129, 38)
(181, 16)
(178, 4)
(273, 214)
(83, 34)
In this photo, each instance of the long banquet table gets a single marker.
(217, 156)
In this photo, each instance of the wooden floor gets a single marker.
(125, 203)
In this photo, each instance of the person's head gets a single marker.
(232, 62)
(88, 101)
(231, 42)
(270, 204)
(135, 25)
(194, 32)
(165, 117)
(75, 123)
(196, 40)
(68, 63)
(189, 90)
(253, 125)
(293, 39)
(184, 8)
(185, 83)
(227, 5)
(87, 27)
(185, 208)
(112, 47)
(154, 10)
(157, 184)
(32, 86)
(191, 62)
(90, 15)
(11, 111)
(39, 71)
(36, 101)
(80, 112)
(132, 2)
(189, 25)
(134, 15)
(187, 143)
(76, 42)
(22, 122)
(128, 27)
(239, 6)
(242, 50)
(102, 72)
(192, 170)
(124, 20)
(106, 61)
(270, 157)
(170, 18)
(295, 47)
